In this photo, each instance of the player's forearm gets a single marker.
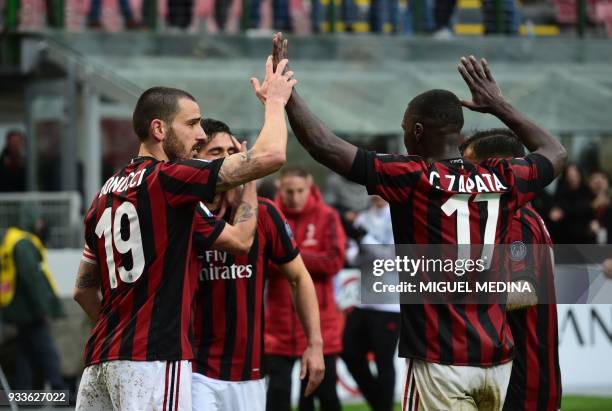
(268, 154)
(307, 308)
(271, 144)
(89, 300)
(521, 300)
(535, 138)
(323, 145)
(87, 289)
(245, 217)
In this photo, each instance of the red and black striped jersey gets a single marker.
(453, 202)
(138, 230)
(535, 332)
(229, 318)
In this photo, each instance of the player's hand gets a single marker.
(280, 50)
(277, 84)
(312, 366)
(486, 94)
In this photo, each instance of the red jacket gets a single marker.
(321, 239)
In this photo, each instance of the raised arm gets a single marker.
(269, 152)
(322, 144)
(487, 98)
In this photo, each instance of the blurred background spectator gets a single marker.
(28, 300)
(348, 199)
(599, 185)
(506, 20)
(13, 162)
(443, 12)
(572, 215)
(95, 8)
(373, 329)
(383, 12)
(180, 13)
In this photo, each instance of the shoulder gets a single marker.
(269, 211)
(365, 156)
(265, 203)
(192, 163)
(404, 160)
(25, 248)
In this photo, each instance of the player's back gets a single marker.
(138, 230)
(456, 202)
(452, 202)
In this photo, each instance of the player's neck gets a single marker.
(446, 148)
(152, 150)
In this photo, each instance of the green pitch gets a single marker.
(570, 403)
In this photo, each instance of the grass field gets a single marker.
(570, 403)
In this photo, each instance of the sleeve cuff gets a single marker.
(546, 171)
(287, 258)
(214, 177)
(358, 173)
(210, 239)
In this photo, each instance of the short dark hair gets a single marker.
(439, 109)
(156, 102)
(294, 171)
(212, 127)
(495, 142)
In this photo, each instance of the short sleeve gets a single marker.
(529, 248)
(391, 176)
(281, 243)
(189, 181)
(89, 256)
(206, 228)
(531, 173)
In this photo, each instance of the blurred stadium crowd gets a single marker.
(441, 18)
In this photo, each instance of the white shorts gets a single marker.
(136, 385)
(434, 387)
(209, 394)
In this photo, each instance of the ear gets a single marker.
(277, 183)
(418, 131)
(157, 129)
(309, 181)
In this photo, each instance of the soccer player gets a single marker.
(229, 319)
(138, 234)
(459, 356)
(536, 338)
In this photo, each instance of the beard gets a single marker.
(174, 148)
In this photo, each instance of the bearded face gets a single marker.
(175, 148)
